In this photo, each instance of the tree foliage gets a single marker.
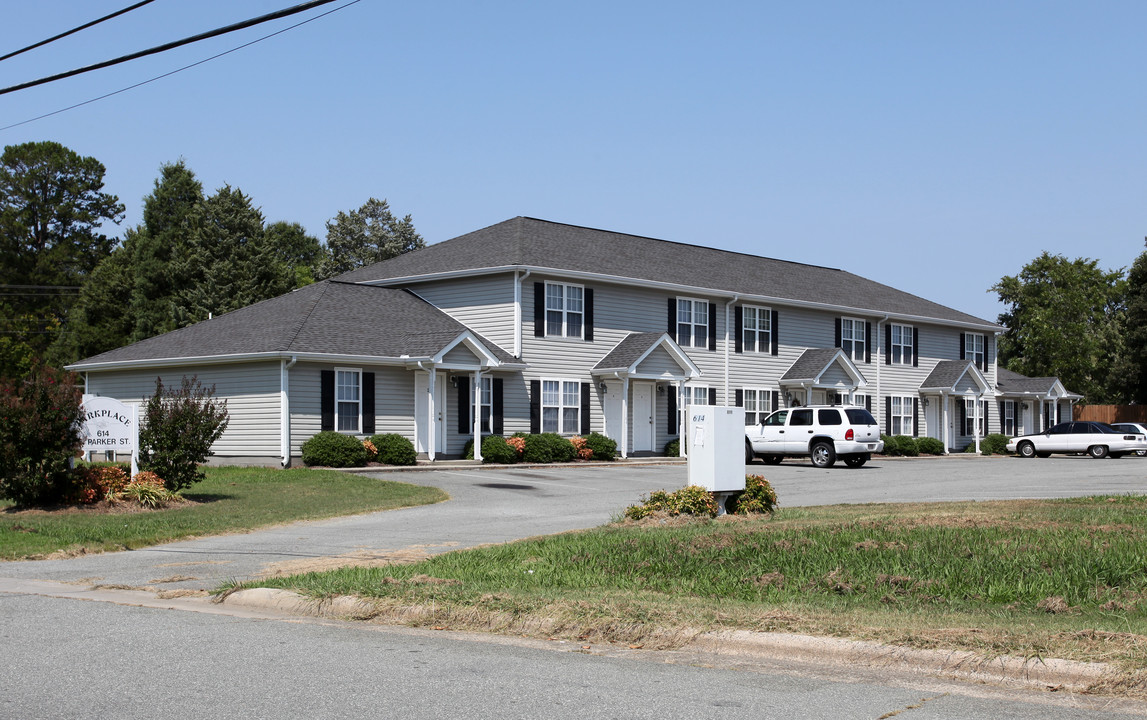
(179, 428)
(1132, 366)
(40, 420)
(52, 210)
(1064, 318)
(365, 236)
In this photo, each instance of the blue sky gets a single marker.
(934, 147)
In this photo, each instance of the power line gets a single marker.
(177, 70)
(85, 26)
(171, 45)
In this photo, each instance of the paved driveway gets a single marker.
(494, 505)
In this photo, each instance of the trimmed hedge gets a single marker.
(332, 449)
(929, 446)
(993, 444)
(394, 449)
(547, 448)
(672, 448)
(495, 450)
(604, 448)
(903, 445)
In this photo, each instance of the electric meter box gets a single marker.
(716, 446)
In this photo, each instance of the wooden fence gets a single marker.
(1111, 413)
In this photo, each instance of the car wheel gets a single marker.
(773, 459)
(855, 461)
(1097, 451)
(749, 456)
(1026, 449)
(823, 454)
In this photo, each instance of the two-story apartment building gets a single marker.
(534, 326)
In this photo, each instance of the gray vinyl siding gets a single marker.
(485, 304)
(460, 355)
(659, 362)
(393, 402)
(250, 389)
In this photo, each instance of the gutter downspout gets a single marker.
(728, 333)
(284, 408)
(518, 280)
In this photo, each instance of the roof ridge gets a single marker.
(305, 315)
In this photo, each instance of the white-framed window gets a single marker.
(970, 417)
(565, 310)
(692, 323)
(348, 400)
(853, 338)
(1009, 419)
(858, 400)
(901, 344)
(758, 404)
(694, 395)
(902, 415)
(486, 403)
(561, 406)
(757, 329)
(974, 348)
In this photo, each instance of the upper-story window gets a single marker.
(565, 310)
(348, 399)
(757, 329)
(974, 348)
(692, 323)
(853, 338)
(901, 344)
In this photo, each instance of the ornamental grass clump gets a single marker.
(146, 489)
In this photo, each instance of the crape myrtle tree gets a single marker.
(1064, 318)
(365, 236)
(179, 427)
(52, 211)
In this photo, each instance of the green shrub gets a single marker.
(179, 428)
(495, 450)
(689, 500)
(604, 448)
(332, 449)
(394, 449)
(39, 434)
(929, 446)
(758, 497)
(900, 445)
(468, 450)
(994, 444)
(547, 448)
(673, 448)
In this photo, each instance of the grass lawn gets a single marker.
(1040, 578)
(231, 499)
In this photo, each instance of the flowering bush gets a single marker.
(180, 426)
(98, 482)
(371, 450)
(585, 453)
(518, 443)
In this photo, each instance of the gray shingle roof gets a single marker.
(1012, 382)
(810, 364)
(536, 243)
(629, 350)
(328, 317)
(946, 374)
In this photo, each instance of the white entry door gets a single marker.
(932, 419)
(422, 412)
(642, 413)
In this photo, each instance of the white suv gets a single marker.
(822, 432)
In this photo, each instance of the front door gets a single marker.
(422, 412)
(932, 419)
(642, 417)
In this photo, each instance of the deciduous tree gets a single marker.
(365, 236)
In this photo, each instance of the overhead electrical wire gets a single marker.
(178, 70)
(85, 26)
(171, 45)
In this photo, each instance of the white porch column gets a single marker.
(976, 421)
(431, 415)
(625, 417)
(477, 408)
(680, 420)
(284, 414)
(944, 402)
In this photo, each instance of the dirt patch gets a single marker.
(103, 507)
(172, 579)
(358, 558)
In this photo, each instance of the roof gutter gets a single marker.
(235, 358)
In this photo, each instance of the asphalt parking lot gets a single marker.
(491, 505)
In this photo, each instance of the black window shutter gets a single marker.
(497, 412)
(673, 319)
(887, 346)
(915, 347)
(915, 417)
(739, 398)
(539, 309)
(1002, 428)
(867, 403)
(739, 329)
(712, 396)
(585, 408)
(465, 402)
(963, 417)
(774, 332)
(672, 404)
(589, 314)
(963, 345)
(535, 406)
(776, 401)
(327, 400)
(712, 326)
(888, 415)
(867, 342)
(368, 403)
(839, 334)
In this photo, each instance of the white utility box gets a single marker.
(716, 443)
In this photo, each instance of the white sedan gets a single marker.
(1094, 438)
(1133, 428)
